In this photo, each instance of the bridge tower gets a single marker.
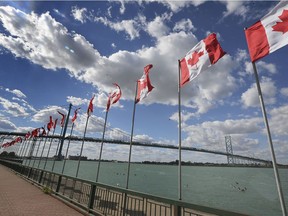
(229, 150)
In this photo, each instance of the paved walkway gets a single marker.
(20, 198)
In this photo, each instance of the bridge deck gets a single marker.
(19, 197)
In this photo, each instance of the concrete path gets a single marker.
(20, 198)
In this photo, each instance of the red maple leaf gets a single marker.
(195, 58)
(282, 26)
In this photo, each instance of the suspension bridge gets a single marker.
(124, 139)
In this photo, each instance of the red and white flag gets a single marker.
(144, 84)
(114, 96)
(268, 34)
(55, 124)
(43, 131)
(62, 119)
(206, 53)
(28, 134)
(75, 115)
(50, 124)
(90, 107)
(35, 132)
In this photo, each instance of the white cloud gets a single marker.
(235, 7)
(16, 92)
(80, 15)
(43, 115)
(211, 135)
(75, 101)
(184, 25)
(13, 108)
(157, 27)
(279, 120)
(131, 27)
(284, 91)
(250, 97)
(59, 13)
(123, 67)
(7, 125)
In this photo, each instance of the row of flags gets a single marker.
(263, 38)
(13, 142)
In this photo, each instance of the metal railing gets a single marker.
(100, 199)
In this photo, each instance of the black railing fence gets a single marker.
(100, 199)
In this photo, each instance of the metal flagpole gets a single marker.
(67, 148)
(26, 151)
(79, 159)
(20, 148)
(30, 153)
(100, 154)
(23, 148)
(37, 151)
(131, 138)
(43, 149)
(276, 173)
(130, 150)
(49, 148)
(179, 135)
(56, 157)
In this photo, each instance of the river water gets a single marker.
(245, 190)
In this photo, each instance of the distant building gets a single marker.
(76, 157)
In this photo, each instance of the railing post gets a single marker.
(40, 177)
(176, 210)
(29, 173)
(92, 197)
(58, 184)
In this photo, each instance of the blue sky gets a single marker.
(56, 53)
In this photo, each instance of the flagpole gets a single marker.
(179, 135)
(56, 157)
(79, 159)
(102, 142)
(37, 151)
(276, 173)
(49, 148)
(26, 151)
(130, 149)
(131, 138)
(67, 148)
(43, 149)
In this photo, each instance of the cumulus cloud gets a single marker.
(184, 25)
(211, 134)
(250, 97)
(125, 67)
(16, 92)
(157, 27)
(131, 27)
(7, 125)
(284, 91)
(43, 115)
(80, 14)
(43, 41)
(13, 108)
(279, 120)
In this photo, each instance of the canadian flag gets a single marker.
(90, 107)
(75, 115)
(144, 84)
(62, 119)
(114, 96)
(50, 124)
(206, 53)
(268, 34)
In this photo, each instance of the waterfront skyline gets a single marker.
(53, 54)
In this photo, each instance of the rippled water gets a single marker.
(241, 189)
